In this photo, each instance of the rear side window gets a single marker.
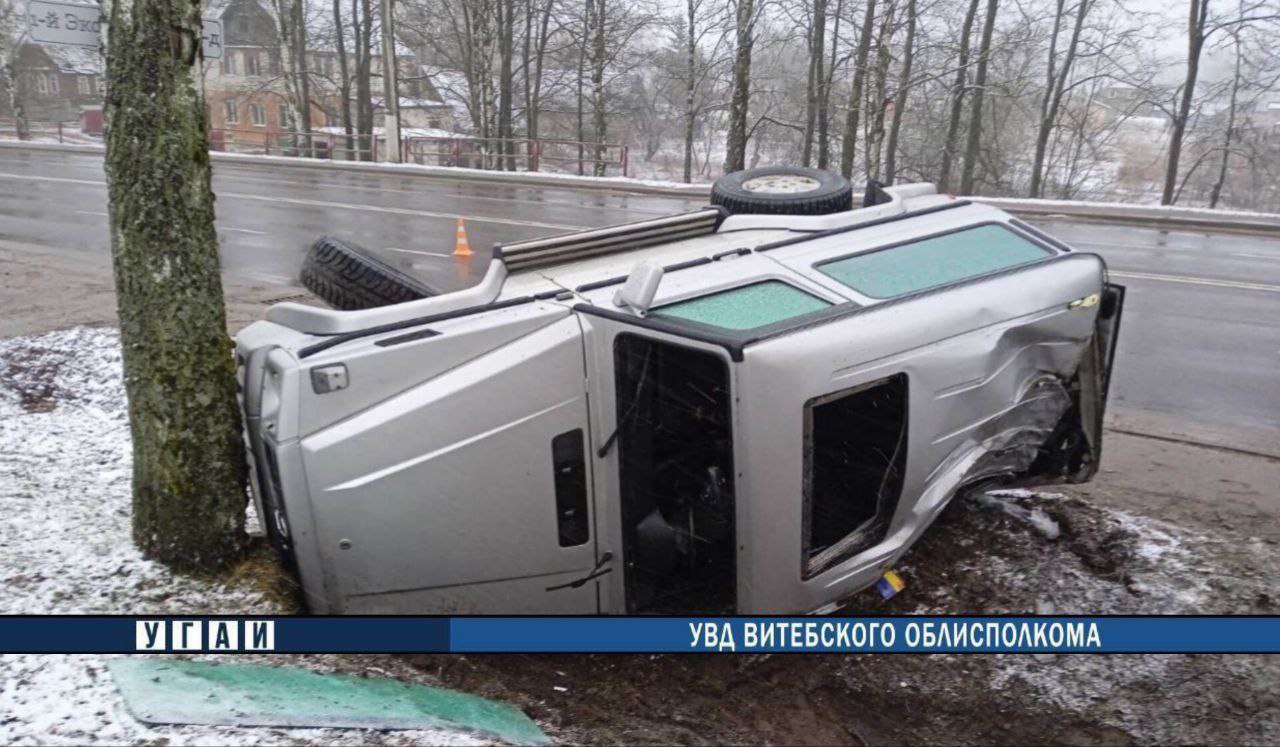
(746, 307)
(855, 456)
(928, 263)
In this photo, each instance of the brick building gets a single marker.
(54, 83)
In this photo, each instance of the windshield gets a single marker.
(928, 263)
(746, 307)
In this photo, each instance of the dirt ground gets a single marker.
(1181, 519)
(977, 559)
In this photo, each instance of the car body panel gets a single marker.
(426, 483)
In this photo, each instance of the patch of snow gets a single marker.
(65, 470)
(1036, 517)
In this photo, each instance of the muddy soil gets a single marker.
(979, 558)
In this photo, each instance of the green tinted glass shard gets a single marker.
(747, 307)
(178, 691)
(885, 273)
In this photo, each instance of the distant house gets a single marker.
(55, 83)
(244, 90)
(246, 94)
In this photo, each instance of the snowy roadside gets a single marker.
(64, 529)
(1043, 552)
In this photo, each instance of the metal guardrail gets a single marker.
(1154, 215)
(34, 129)
(1151, 215)
(322, 145)
(515, 154)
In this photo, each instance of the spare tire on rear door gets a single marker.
(783, 190)
(347, 276)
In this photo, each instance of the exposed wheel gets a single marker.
(783, 190)
(347, 276)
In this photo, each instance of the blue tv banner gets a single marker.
(120, 634)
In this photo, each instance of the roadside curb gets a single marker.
(1249, 441)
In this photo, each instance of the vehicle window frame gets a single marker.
(656, 310)
(813, 564)
(1050, 252)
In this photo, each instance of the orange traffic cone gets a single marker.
(462, 248)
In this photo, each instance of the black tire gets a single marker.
(348, 277)
(831, 193)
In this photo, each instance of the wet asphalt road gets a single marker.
(1201, 328)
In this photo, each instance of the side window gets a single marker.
(570, 466)
(855, 455)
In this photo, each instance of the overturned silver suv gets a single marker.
(752, 408)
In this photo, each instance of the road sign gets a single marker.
(64, 23)
(211, 38)
(80, 25)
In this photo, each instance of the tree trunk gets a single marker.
(1057, 86)
(824, 94)
(344, 72)
(979, 90)
(690, 86)
(1216, 193)
(599, 121)
(506, 46)
(900, 98)
(816, 76)
(875, 134)
(582, 74)
(848, 148)
(957, 98)
(11, 88)
(363, 11)
(189, 466)
(304, 75)
(740, 99)
(539, 54)
(1198, 14)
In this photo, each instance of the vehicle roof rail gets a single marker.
(569, 247)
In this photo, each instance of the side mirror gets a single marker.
(641, 286)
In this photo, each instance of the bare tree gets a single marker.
(817, 77)
(344, 76)
(900, 97)
(1200, 27)
(979, 89)
(292, 39)
(745, 19)
(879, 95)
(848, 148)
(10, 46)
(505, 17)
(1055, 86)
(362, 29)
(957, 97)
(700, 39)
(537, 35)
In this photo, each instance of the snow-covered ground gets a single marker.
(64, 529)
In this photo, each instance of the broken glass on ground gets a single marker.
(182, 691)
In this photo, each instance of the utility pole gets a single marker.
(391, 85)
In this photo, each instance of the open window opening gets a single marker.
(675, 453)
(855, 458)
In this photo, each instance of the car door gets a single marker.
(853, 432)
(469, 493)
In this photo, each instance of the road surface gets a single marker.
(1201, 330)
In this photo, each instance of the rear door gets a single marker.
(854, 431)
